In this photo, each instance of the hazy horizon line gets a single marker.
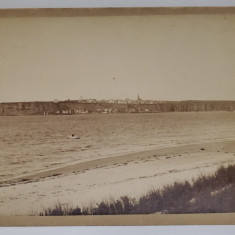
(126, 99)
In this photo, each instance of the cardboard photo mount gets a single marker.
(124, 220)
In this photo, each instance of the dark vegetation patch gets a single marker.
(206, 194)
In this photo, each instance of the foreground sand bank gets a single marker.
(132, 174)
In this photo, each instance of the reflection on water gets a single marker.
(33, 143)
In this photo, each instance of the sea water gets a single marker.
(29, 144)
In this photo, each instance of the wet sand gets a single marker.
(133, 174)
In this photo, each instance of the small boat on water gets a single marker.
(73, 137)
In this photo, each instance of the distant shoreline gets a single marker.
(71, 107)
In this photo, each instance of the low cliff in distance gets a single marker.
(70, 107)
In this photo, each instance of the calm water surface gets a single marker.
(32, 143)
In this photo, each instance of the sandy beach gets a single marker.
(133, 174)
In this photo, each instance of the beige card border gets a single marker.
(124, 220)
(120, 220)
(72, 12)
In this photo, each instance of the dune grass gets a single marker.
(206, 194)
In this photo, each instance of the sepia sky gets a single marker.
(164, 57)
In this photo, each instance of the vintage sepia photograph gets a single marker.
(117, 111)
